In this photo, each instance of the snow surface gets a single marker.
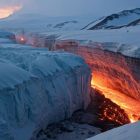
(37, 22)
(126, 132)
(125, 36)
(37, 88)
(92, 24)
(124, 41)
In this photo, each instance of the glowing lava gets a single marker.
(7, 11)
(116, 76)
(128, 104)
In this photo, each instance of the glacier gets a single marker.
(37, 88)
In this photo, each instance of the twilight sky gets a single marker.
(95, 8)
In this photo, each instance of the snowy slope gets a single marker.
(126, 132)
(38, 87)
(118, 20)
(33, 22)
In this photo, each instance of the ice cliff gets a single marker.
(38, 87)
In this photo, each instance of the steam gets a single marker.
(9, 10)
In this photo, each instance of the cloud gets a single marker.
(8, 10)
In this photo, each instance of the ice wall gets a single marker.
(39, 87)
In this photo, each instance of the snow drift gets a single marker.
(38, 87)
(129, 131)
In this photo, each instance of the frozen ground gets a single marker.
(67, 130)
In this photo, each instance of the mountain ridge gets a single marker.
(121, 19)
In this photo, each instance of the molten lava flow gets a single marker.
(7, 11)
(128, 104)
(117, 77)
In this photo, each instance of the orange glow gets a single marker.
(117, 77)
(128, 104)
(111, 111)
(114, 76)
(7, 11)
(22, 39)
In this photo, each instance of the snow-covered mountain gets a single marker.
(36, 22)
(124, 18)
(126, 132)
